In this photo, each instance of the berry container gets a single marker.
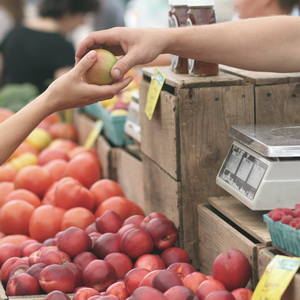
(283, 235)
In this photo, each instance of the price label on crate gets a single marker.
(156, 84)
(90, 140)
(276, 278)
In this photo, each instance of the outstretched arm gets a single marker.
(260, 44)
(68, 91)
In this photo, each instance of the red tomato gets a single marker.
(104, 189)
(80, 149)
(5, 189)
(71, 193)
(15, 239)
(85, 168)
(7, 173)
(45, 222)
(15, 216)
(121, 205)
(26, 195)
(35, 179)
(49, 197)
(49, 154)
(57, 168)
(63, 130)
(80, 217)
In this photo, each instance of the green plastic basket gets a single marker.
(283, 235)
(113, 126)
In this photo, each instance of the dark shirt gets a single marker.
(34, 56)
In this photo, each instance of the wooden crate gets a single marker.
(128, 172)
(225, 224)
(276, 95)
(186, 141)
(265, 255)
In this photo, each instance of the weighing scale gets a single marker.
(262, 167)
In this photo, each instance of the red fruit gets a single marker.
(22, 284)
(173, 255)
(19, 269)
(104, 189)
(118, 289)
(147, 293)
(99, 280)
(150, 262)
(84, 293)
(136, 242)
(163, 232)
(105, 244)
(133, 278)
(182, 269)
(57, 169)
(165, 279)
(209, 286)
(135, 219)
(147, 280)
(35, 270)
(232, 268)
(51, 257)
(84, 258)
(74, 241)
(295, 222)
(151, 216)
(7, 251)
(193, 280)
(242, 294)
(57, 295)
(85, 168)
(219, 295)
(57, 277)
(8, 266)
(286, 219)
(180, 293)
(49, 154)
(121, 262)
(127, 227)
(63, 130)
(77, 272)
(109, 221)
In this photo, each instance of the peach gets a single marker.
(8, 266)
(30, 248)
(99, 280)
(99, 73)
(147, 293)
(77, 271)
(22, 284)
(193, 280)
(174, 254)
(209, 286)
(136, 242)
(134, 219)
(118, 289)
(218, 295)
(165, 279)
(151, 216)
(57, 295)
(51, 257)
(150, 262)
(133, 278)
(180, 293)
(182, 269)
(84, 293)
(73, 241)
(35, 270)
(109, 221)
(57, 277)
(147, 280)
(83, 259)
(18, 269)
(121, 262)
(8, 250)
(242, 294)
(105, 244)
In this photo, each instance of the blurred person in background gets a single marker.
(38, 50)
(262, 8)
(11, 12)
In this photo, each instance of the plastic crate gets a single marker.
(113, 126)
(283, 236)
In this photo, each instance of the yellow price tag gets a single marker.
(156, 84)
(95, 132)
(276, 278)
(68, 114)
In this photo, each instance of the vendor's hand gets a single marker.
(70, 91)
(138, 45)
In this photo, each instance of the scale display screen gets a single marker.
(243, 171)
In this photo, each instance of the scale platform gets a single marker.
(262, 167)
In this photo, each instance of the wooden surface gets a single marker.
(262, 78)
(104, 150)
(187, 81)
(248, 220)
(162, 192)
(265, 256)
(217, 236)
(160, 136)
(129, 174)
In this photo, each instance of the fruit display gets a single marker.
(284, 225)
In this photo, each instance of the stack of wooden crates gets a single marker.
(186, 141)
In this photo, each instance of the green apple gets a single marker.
(99, 73)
